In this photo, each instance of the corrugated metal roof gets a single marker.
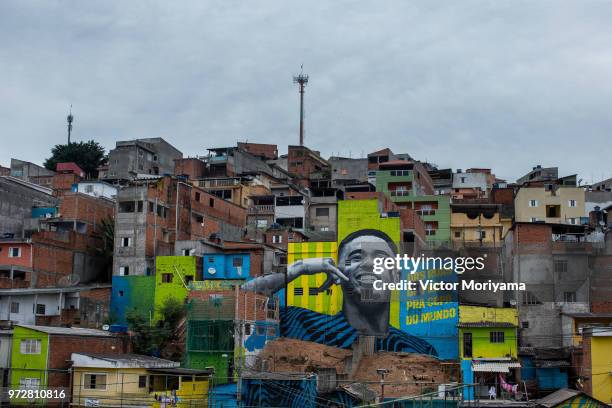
(494, 366)
(71, 331)
(558, 397)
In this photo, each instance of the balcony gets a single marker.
(401, 193)
(261, 209)
(218, 183)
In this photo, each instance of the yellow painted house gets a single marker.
(477, 223)
(134, 380)
(597, 362)
(557, 205)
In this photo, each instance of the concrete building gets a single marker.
(236, 189)
(348, 171)
(132, 158)
(82, 306)
(21, 203)
(323, 206)
(555, 205)
(234, 161)
(5, 171)
(31, 172)
(153, 214)
(442, 179)
(305, 164)
(262, 150)
(605, 185)
(563, 274)
(473, 184)
(96, 188)
(539, 174)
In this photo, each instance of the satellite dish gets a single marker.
(105, 327)
(212, 271)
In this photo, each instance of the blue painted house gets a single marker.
(227, 266)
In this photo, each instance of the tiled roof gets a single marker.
(558, 397)
(71, 331)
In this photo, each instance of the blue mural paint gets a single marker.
(260, 334)
(432, 315)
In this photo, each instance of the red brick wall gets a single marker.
(503, 196)
(533, 238)
(86, 208)
(191, 167)
(62, 346)
(268, 151)
(62, 183)
(410, 220)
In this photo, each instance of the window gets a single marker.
(571, 203)
(247, 329)
(399, 173)
(237, 262)
(94, 381)
(30, 346)
(322, 212)
(298, 291)
(572, 221)
(553, 211)
(457, 234)
(140, 206)
(197, 196)
(560, 266)
(29, 383)
(277, 239)
(462, 180)
(496, 337)
(525, 325)
(569, 297)
(324, 228)
(482, 234)
(142, 381)
(15, 252)
(40, 309)
(126, 242)
(166, 278)
(14, 307)
(530, 299)
(124, 270)
(127, 207)
(533, 203)
(211, 202)
(313, 291)
(211, 259)
(120, 293)
(260, 330)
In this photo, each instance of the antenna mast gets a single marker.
(70, 119)
(302, 80)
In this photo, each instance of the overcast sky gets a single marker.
(500, 84)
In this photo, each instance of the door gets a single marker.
(467, 345)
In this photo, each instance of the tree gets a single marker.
(163, 337)
(88, 155)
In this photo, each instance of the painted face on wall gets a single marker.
(356, 261)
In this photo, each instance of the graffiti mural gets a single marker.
(330, 296)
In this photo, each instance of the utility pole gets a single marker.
(70, 119)
(301, 80)
(382, 372)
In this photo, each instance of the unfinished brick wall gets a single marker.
(191, 167)
(533, 238)
(86, 208)
(62, 346)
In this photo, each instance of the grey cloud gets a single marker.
(490, 84)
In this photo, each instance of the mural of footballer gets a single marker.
(364, 311)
